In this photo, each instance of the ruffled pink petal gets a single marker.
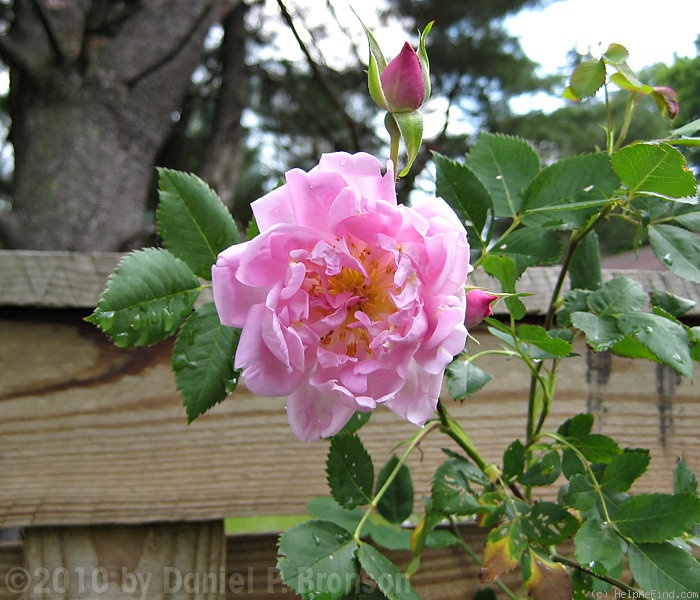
(274, 208)
(314, 415)
(417, 399)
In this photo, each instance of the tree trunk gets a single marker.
(94, 85)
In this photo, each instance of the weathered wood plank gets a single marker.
(250, 573)
(76, 280)
(92, 434)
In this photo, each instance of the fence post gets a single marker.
(176, 561)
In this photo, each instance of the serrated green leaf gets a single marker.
(597, 545)
(666, 340)
(548, 523)
(543, 472)
(193, 221)
(452, 493)
(678, 249)
(630, 347)
(617, 296)
(616, 54)
(464, 378)
(580, 494)
(356, 422)
(579, 426)
(505, 166)
(599, 448)
(390, 580)
(601, 332)
(585, 270)
(147, 298)
(575, 300)
(674, 305)
(567, 193)
(657, 517)
(539, 337)
(665, 569)
(588, 77)
(461, 189)
(514, 460)
(396, 505)
(654, 169)
(318, 560)
(349, 471)
(684, 480)
(202, 361)
(689, 220)
(530, 246)
(624, 470)
(325, 508)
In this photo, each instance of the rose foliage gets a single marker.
(341, 300)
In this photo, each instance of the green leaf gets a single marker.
(396, 505)
(657, 517)
(452, 492)
(684, 480)
(548, 523)
(390, 580)
(654, 169)
(505, 165)
(624, 470)
(193, 222)
(674, 305)
(580, 494)
(318, 560)
(678, 249)
(358, 419)
(464, 378)
(461, 189)
(147, 298)
(530, 246)
(666, 339)
(503, 268)
(325, 508)
(588, 77)
(350, 471)
(579, 426)
(514, 460)
(544, 471)
(567, 193)
(575, 300)
(599, 448)
(616, 54)
(601, 332)
(585, 270)
(617, 296)
(539, 337)
(665, 569)
(597, 545)
(202, 360)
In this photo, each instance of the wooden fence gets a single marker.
(115, 496)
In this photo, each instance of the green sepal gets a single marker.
(410, 126)
(423, 60)
(396, 505)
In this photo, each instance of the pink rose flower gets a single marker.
(346, 299)
(402, 82)
(478, 307)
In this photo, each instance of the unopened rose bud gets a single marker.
(478, 307)
(402, 82)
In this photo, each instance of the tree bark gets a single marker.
(94, 85)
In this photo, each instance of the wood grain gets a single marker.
(93, 434)
(250, 572)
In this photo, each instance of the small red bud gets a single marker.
(478, 307)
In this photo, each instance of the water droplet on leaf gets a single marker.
(668, 259)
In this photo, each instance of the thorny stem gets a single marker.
(412, 445)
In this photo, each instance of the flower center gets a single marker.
(370, 295)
